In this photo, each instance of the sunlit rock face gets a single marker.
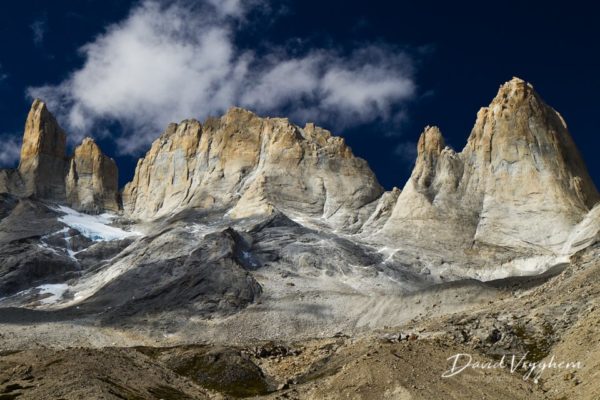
(92, 179)
(251, 166)
(520, 165)
(86, 181)
(43, 155)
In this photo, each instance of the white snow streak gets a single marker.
(94, 227)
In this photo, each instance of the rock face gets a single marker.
(251, 165)
(520, 165)
(92, 180)
(9, 180)
(87, 181)
(43, 155)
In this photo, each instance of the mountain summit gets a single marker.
(248, 165)
(520, 165)
(86, 181)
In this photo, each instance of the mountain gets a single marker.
(87, 181)
(244, 229)
(249, 165)
(43, 155)
(520, 164)
(92, 180)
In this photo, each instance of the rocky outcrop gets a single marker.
(10, 181)
(383, 210)
(163, 178)
(43, 155)
(87, 181)
(585, 234)
(520, 165)
(458, 208)
(92, 180)
(251, 165)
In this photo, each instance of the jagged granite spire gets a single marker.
(520, 165)
(92, 180)
(43, 155)
(87, 181)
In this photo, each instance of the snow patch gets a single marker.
(55, 290)
(94, 227)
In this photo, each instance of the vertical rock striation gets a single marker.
(43, 155)
(250, 165)
(519, 183)
(87, 181)
(92, 180)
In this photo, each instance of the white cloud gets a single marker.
(407, 152)
(38, 29)
(10, 149)
(342, 90)
(233, 8)
(165, 63)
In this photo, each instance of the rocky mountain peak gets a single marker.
(515, 88)
(431, 141)
(430, 146)
(92, 179)
(520, 164)
(42, 133)
(249, 164)
(43, 154)
(87, 181)
(521, 136)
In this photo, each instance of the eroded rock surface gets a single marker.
(43, 155)
(520, 165)
(87, 181)
(254, 165)
(93, 179)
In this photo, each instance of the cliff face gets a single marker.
(87, 181)
(43, 155)
(520, 165)
(92, 180)
(252, 165)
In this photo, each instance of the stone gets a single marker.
(520, 165)
(250, 165)
(93, 179)
(87, 181)
(43, 155)
(9, 180)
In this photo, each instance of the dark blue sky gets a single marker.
(459, 54)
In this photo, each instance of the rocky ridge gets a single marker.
(520, 164)
(249, 166)
(87, 181)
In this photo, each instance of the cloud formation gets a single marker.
(165, 63)
(9, 151)
(38, 29)
(407, 152)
